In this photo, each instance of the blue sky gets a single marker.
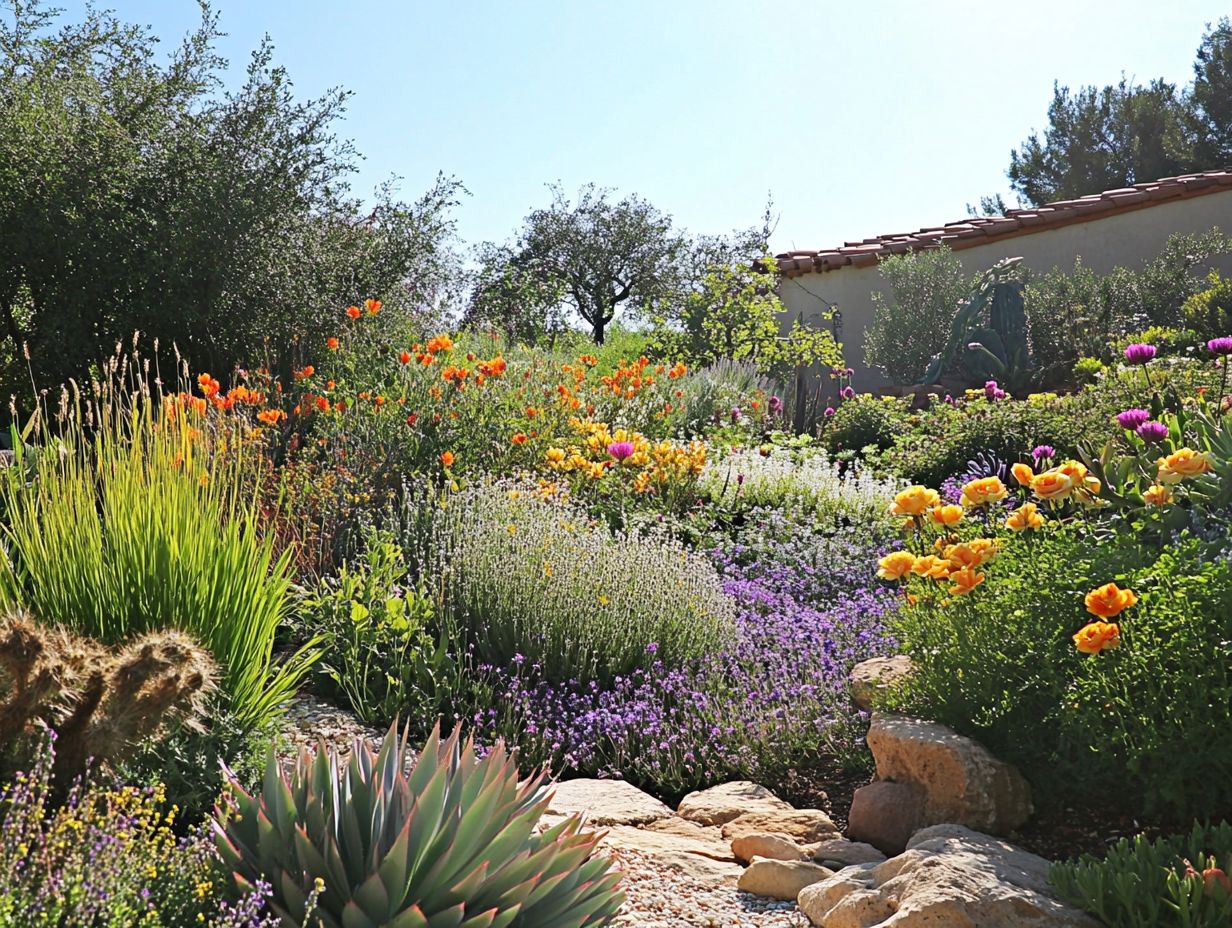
(858, 118)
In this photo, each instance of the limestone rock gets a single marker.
(606, 802)
(876, 675)
(949, 875)
(768, 845)
(780, 879)
(886, 815)
(721, 804)
(700, 853)
(962, 782)
(840, 852)
(804, 826)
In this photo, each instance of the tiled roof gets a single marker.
(979, 230)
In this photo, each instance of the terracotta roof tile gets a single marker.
(978, 230)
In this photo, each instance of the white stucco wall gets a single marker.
(1125, 240)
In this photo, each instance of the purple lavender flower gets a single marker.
(1043, 452)
(1139, 353)
(621, 450)
(1220, 346)
(1152, 432)
(1130, 419)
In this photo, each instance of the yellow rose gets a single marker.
(1157, 495)
(1183, 463)
(931, 566)
(914, 501)
(1052, 485)
(1024, 517)
(1023, 474)
(1074, 470)
(946, 515)
(896, 565)
(970, 554)
(965, 581)
(984, 491)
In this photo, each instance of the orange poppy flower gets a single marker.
(1109, 600)
(447, 458)
(331, 343)
(353, 312)
(1097, 636)
(405, 357)
(373, 306)
(519, 438)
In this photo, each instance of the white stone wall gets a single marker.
(1125, 240)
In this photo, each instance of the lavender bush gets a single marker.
(772, 702)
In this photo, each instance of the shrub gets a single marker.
(1168, 341)
(865, 421)
(912, 326)
(100, 702)
(1209, 311)
(451, 842)
(108, 857)
(523, 577)
(380, 656)
(1174, 882)
(132, 523)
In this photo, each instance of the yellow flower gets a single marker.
(931, 566)
(555, 455)
(914, 501)
(970, 554)
(1097, 636)
(603, 600)
(1024, 517)
(1076, 471)
(965, 581)
(1023, 474)
(896, 565)
(984, 491)
(1052, 485)
(946, 515)
(1183, 463)
(1109, 600)
(1157, 495)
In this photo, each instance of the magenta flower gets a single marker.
(847, 393)
(736, 415)
(1139, 353)
(1040, 452)
(1152, 432)
(1130, 419)
(829, 411)
(993, 392)
(775, 405)
(621, 450)
(1222, 346)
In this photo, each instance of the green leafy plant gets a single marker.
(1179, 881)
(1087, 370)
(865, 421)
(1209, 311)
(451, 843)
(380, 654)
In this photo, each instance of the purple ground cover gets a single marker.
(772, 701)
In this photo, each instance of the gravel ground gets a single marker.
(662, 897)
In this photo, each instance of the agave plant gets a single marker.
(451, 843)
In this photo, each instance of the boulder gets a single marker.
(780, 879)
(605, 802)
(804, 826)
(876, 675)
(700, 853)
(768, 845)
(961, 781)
(886, 815)
(840, 852)
(949, 875)
(720, 804)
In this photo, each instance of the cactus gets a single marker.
(997, 350)
(99, 701)
(452, 843)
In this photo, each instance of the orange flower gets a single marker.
(1183, 463)
(931, 566)
(379, 400)
(1052, 485)
(439, 343)
(531, 411)
(209, 386)
(322, 404)
(304, 373)
(896, 565)
(519, 438)
(447, 458)
(914, 501)
(353, 312)
(1109, 600)
(965, 581)
(373, 306)
(1024, 517)
(412, 418)
(946, 515)
(271, 416)
(331, 343)
(1023, 474)
(405, 357)
(1157, 495)
(984, 491)
(1097, 636)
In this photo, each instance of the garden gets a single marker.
(525, 555)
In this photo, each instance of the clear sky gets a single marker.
(858, 118)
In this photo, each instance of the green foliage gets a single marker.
(523, 577)
(135, 521)
(865, 421)
(735, 314)
(712, 392)
(1209, 311)
(380, 655)
(926, 287)
(1210, 98)
(452, 842)
(1179, 881)
(999, 664)
(101, 702)
(1170, 342)
(151, 187)
(1087, 370)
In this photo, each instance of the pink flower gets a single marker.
(621, 450)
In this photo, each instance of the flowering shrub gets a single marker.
(108, 857)
(525, 575)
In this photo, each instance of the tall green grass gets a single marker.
(133, 512)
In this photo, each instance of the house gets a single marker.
(1117, 227)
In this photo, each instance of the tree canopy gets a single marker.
(1128, 133)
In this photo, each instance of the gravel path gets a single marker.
(662, 897)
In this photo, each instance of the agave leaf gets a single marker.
(429, 760)
(448, 918)
(355, 917)
(482, 920)
(409, 918)
(374, 898)
(426, 817)
(394, 869)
